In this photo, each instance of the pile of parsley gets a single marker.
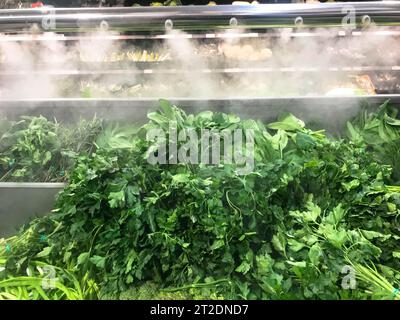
(312, 205)
(35, 149)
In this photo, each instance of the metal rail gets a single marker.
(172, 71)
(386, 13)
(294, 33)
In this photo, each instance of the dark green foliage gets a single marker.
(379, 133)
(35, 149)
(283, 231)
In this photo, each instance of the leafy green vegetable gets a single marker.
(36, 149)
(379, 133)
(311, 204)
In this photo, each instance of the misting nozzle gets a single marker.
(168, 24)
(104, 25)
(366, 20)
(298, 21)
(233, 22)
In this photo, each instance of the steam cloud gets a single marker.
(282, 62)
(286, 64)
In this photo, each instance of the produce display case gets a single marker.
(24, 201)
(320, 62)
(253, 60)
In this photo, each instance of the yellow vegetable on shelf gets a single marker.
(241, 3)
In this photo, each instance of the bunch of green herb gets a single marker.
(283, 231)
(35, 149)
(39, 280)
(379, 133)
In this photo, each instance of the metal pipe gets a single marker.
(146, 69)
(202, 17)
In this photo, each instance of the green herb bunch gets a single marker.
(35, 149)
(312, 205)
